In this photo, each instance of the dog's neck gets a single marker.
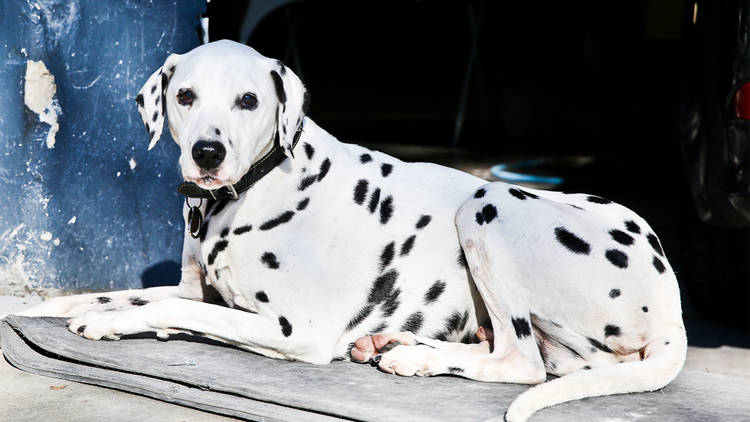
(258, 170)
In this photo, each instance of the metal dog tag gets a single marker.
(195, 219)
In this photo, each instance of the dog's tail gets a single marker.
(662, 361)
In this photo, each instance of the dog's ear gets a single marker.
(151, 99)
(293, 101)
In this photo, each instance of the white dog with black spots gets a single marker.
(340, 252)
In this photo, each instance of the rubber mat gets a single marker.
(211, 376)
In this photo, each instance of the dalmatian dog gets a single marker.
(301, 247)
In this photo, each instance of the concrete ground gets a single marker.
(28, 397)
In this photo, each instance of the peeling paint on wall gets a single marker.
(39, 96)
(76, 217)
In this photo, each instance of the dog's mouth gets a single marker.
(207, 181)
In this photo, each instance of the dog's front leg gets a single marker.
(272, 336)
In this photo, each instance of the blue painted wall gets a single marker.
(96, 211)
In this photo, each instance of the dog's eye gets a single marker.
(185, 97)
(248, 101)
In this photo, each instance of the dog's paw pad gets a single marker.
(366, 348)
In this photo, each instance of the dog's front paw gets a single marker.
(95, 326)
(409, 360)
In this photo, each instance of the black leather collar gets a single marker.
(260, 168)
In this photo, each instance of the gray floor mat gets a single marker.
(233, 382)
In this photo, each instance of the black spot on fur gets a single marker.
(365, 158)
(598, 199)
(479, 193)
(153, 89)
(359, 317)
(217, 131)
(204, 230)
(407, 245)
(621, 237)
(379, 329)
(307, 181)
(360, 191)
(286, 327)
(462, 259)
(522, 327)
(103, 299)
(489, 212)
(243, 229)
(136, 301)
(632, 227)
(282, 68)
(572, 242)
(413, 323)
(278, 83)
(209, 206)
(387, 255)
(599, 346)
(386, 169)
(659, 265)
(645, 309)
(522, 194)
(382, 287)
(309, 150)
(618, 258)
(81, 329)
(587, 367)
(654, 242)
(139, 100)
(301, 205)
(434, 292)
(219, 207)
(479, 218)
(225, 232)
(386, 209)
(324, 167)
(151, 134)
(269, 260)
(281, 219)
(455, 370)
(455, 323)
(614, 293)
(517, 193)
(218, 247)
(155, 116)
(374, 199)
(469, 338)
(666, 343)
(261, 296)
(423, 222)
(391, 304)
(611, 330)
(164, 85)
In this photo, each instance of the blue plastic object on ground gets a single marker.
(504, 173)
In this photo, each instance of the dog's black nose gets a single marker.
(208, 154)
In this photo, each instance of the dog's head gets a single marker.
(227, 104)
